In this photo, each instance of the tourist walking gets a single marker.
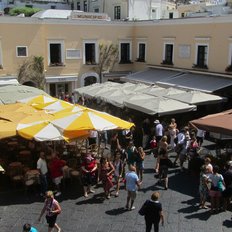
(52, 209)
(88, 171)
(106, 171)
(217, 187)
(118, 171)
(203, 187)
(162, 165)
(132, 182)
(56, 171)
(139, 160)
(152, 212)
(173, 131)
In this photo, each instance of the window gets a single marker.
(125, 52)
(53, 7)
(202, 56)
(90, 52)
(168, 54)
(78, 6)
(117, 12)
(96, 10)
(73, 54)
(229, 67)
(85, 6)
(171, 15)
(230, 55)
(21, 51)
(0, 56)
(141, 52)
(56, 57)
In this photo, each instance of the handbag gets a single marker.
(142, 210)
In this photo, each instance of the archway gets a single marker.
(89, 79)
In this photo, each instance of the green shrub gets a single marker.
(27, 11)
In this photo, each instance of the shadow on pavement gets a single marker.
(203, 216)
(115, 212)
(227, 223)
(183, 183)
(96, 199)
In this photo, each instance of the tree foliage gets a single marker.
(27, 11)
(108, 55)
(32, 70)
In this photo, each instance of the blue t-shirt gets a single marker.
(33, 229)
(131, 180)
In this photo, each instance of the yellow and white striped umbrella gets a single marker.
(38, 100)
(88, 120)
(41, 128)
(40, 131)
(55, 106)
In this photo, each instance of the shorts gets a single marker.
(132, 194)
(163, 172)
(140, 165)
(57, 180)
(51, 220)
(213, 193)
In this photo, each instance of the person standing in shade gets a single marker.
(52, 209)
(152, 212)
(132, 182)
(159, 130)
(43, 170)
(56, 171)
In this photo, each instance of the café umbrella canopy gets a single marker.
(7, 129)
(45, 131)
(88, 119)
(38, 100)
(55, 106)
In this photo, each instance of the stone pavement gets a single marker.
(96, 214)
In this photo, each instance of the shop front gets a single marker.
(56, 86)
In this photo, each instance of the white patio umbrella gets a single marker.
(196, 97)
(157, 105)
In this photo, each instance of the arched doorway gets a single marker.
(89, 79)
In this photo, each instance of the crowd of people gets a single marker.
(124, 165)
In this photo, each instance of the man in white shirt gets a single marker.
(43, 170)
(159, 130)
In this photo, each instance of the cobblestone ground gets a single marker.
(96, 214)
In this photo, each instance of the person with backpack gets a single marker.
(52, 209)
(152, 212)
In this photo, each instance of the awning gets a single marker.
(150, 76)
(195, 81)
(180, 79)
(218, 123)
(55, 79)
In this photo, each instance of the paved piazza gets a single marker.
(96, 214)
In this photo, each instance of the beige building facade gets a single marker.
(70, 47)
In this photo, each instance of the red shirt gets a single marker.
(55, 168)
(88, 166)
